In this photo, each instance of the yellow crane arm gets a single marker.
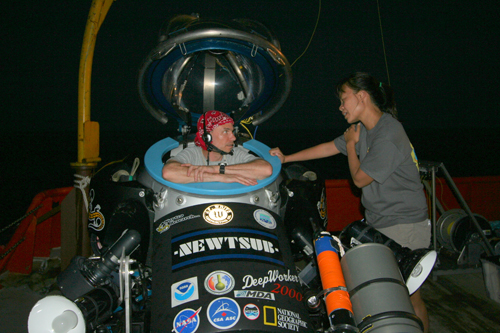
(88, 131)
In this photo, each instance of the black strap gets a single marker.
(364, 284)
(369, 321)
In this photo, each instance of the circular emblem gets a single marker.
(187, 321)
(251, 311)
(184, 291)
(322, 205)
(264, 218)
(223, 313)
(218, 214)
(219, 283)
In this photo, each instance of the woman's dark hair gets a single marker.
(381, 94)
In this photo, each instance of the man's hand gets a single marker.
(200, 173)
(244, 173)
(237, 179)
(197, 171)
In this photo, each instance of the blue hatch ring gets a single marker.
(153, 164)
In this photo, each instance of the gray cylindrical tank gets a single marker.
(379, 297)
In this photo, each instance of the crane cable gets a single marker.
(250, 119)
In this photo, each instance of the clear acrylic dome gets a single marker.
(213, 80)
(199, 65)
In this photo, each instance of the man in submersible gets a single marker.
(214, 158)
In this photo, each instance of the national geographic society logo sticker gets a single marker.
(218, 214)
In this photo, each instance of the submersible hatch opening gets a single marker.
(154, 164)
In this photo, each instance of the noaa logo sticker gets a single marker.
(219, 283)
(264, 218)
(218, 214)
(251, 311)
(223, 313)
(184, 291)
(187, 321)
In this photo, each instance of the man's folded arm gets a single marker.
(177, 172)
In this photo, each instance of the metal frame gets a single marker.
(433, 168)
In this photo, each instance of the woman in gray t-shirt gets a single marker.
(382, 163)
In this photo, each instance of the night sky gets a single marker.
(442, 60)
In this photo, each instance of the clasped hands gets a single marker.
(200, 173)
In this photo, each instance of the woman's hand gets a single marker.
(352, 133)
(277, 152)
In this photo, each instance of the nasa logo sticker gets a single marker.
(264, 218)
(184, 291)
(187, 321)
(219, 282)
(223, 313)
(218, 214)
(251, 311)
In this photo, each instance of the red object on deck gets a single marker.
(40, 232)
(482, 195)
(343, 202)
(37, 234)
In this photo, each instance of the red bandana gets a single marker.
(214, 119)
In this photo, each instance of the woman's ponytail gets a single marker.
(381, 94)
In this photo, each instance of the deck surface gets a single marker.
(457, 302)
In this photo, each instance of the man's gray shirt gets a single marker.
(194, 155)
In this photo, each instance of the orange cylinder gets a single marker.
(332, 277)
(337, 300)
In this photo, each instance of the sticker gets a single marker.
(223, 313)
(184, 291)
(254, 294)
(251, 311)
(271, 277)
(187, 321)
(225, 244)
(264, 218)
(167, 223)
(218, 214)
(219, 282)
(96, 219)
(270, 316)
(283, 318)
(322, 205)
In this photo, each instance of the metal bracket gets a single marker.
(124, 274)
(183, 49)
